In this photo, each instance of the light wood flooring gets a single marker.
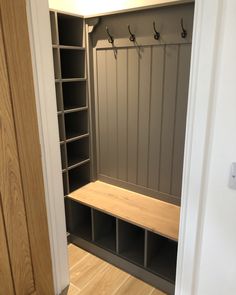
(93, 276)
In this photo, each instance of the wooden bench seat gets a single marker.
(151, 214)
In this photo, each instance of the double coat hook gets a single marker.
(132, 37)
(156, 33)
(110, 38)
(184, 32)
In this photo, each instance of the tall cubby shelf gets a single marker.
(69, 58)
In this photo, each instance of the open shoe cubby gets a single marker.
(76, 124)
(70, 29)
(74, 94)
(72, 63)
(161, 256)
(131, 242)
(78, 151)
(104, 230)
(79, 219)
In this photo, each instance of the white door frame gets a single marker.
(200, 112)
(42, 59)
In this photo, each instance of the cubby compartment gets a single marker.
(58, 97)
(70, 30)
(72, 63)
(79, 176)
(63, 155)
(53, 27)
(56, 63)
(65, 183)
(76, 124)
(131, 242)
(161, 256)
(74, 95)
(79, 220)
(104, 230)
(61, 127)
(78, 151)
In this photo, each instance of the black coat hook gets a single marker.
(132, 36)
(110, 38)
(184, 32)
(156, 33)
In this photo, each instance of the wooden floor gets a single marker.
(152, 214)
(93, 276)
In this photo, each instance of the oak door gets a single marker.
(25, 261)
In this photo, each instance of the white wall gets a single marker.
(216, 272)
(94, 7)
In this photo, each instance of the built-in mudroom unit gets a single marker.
(121, 83)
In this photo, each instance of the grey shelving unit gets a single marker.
(71, 93)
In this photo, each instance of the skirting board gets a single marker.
(125, 265)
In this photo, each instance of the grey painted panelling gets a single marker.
(142, 99)
(180, 118)
(168, 117)
(133, 97)
(111, 72)
(102, 109)
(158, 53)
(122, 113)
(143, 117)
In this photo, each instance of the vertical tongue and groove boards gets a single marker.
(142, 104)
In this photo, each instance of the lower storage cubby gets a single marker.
(79, 219)
(161, 256)
(104, 230)
(79, 176)
(131, 242)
